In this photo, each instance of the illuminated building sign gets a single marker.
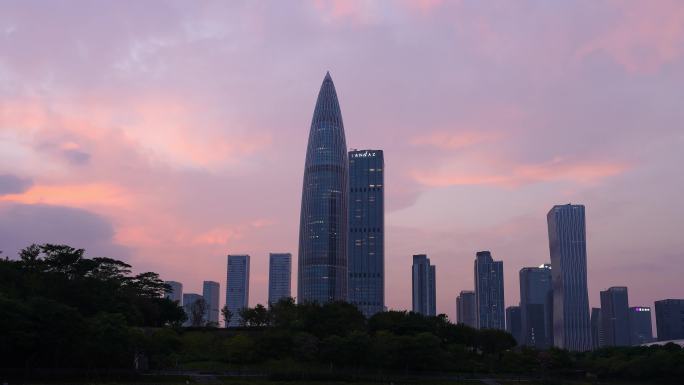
(365, 154)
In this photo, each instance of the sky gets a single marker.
(171, 133)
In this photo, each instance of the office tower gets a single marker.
(465, 308)
(615, 316)
(424, 286)
(535, 309)
(489, 292)
(513, 322)
(210, 292)
(176, 293)
(670, 319)
(279, 276)
(237, 287)
(597, 338)
(323, 222)
(640, 327)
(567, 246)
(366, 248)
(188, 300)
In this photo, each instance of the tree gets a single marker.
(198, 310)
(227, 315)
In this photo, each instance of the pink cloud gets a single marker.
(516, 175)
(454, 141)
(646, 36)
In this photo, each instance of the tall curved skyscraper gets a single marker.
(323, 223)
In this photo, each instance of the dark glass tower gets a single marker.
(465, 308)
(640, 327)
(535, 310)
(367, 231)
(670, 319)
(513, 322)
(568, 249)
(489, 292)
(424, 286)
(323, 223)
(615, 316)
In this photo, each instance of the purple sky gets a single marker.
(170, 133)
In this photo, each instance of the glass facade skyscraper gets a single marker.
(237, 287)
(188, 300)
(366, 248)
(670, 319)
(176, 293)
(210, 292)
(597, 338)
(568, 249)
(279, 277)
(489, 292)
(323, 222)
(535, 309)
(513, 322)
(615, 316)
(465, 308)
(424, 286)
(640, 326)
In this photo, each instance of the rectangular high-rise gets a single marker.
(210, 292)
(366, 237)
(176, 293)
(615, 316)
(279, 277)
(670, 319)
(513, 322)
(535, 309)
(597, 339)
(640, 327)
(568, 250)
(424, 286)
(189, 300)
(465, 308)
(489, 292)
(237, 287)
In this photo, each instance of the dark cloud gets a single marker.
(11, 184)
(76, 157)
(22, 225)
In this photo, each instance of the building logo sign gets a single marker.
(365, 154)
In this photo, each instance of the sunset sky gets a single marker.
(169, 134)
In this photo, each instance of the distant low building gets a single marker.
(615, 316)
(210, 292)
(424, 286)
(188, 300)
(465, 308)
(670, 319)
(513, 323)
(176, 293)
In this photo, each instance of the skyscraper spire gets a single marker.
(323, 222)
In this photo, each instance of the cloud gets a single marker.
(11, 184)
(644, 37)
(517, 175)
(22, 225)
(454, 141)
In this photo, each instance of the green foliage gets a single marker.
(60, 309)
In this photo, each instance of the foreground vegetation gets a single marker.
(59, 309)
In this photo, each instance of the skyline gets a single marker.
(146, 153)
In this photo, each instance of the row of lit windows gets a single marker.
(365, 230)
(365, 275)
(366, 189)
